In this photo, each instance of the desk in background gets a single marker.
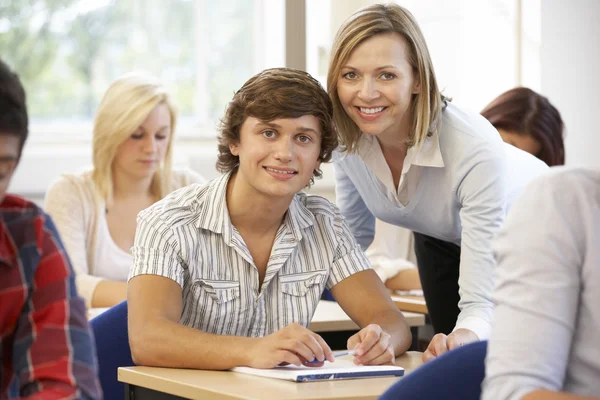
(336, 326)
(410, 303)
(329, 317)
(150, 383)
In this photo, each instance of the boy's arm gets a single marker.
(367, 301)
(54, 354)
(158, 339)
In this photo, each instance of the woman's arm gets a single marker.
(482, 197)
(539, 258)
(109, 293)
(65, 202)
(353, 208)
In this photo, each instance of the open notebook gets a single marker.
(340, 369)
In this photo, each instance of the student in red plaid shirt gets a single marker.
(46, 346)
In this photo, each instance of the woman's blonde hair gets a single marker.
(426, 106)
(125, 105)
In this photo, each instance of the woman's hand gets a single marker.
(441, 343)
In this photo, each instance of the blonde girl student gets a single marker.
(95, 211)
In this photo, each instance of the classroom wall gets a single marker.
(570, 65)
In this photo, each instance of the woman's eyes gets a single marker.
(386, 76)
(138, 136)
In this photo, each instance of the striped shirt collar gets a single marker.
(297, 218)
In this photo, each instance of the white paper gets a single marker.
(338, 370)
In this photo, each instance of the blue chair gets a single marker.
(455, 375)
(326, 295)
(112, 348)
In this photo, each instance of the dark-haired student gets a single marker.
(528, 121)
(46, 347)
(230, 273)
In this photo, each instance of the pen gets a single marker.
(336, 355)
(345, 353)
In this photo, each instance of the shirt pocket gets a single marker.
(300, 294)
(220, 291)
(300, 284)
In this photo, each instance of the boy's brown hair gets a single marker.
(272, 94)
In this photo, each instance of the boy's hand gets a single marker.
(372, 346)
(293, 344)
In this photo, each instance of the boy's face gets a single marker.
(278, 158)
(9, 156)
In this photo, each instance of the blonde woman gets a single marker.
(412, 159)
(95, 212)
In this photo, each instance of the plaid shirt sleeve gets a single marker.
(54, 352)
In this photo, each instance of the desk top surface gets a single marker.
(197, 384)
(329, 317)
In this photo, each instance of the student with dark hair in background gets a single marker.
(529, 121)
(47, 350)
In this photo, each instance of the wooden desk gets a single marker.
(143, 383)
(411, 303)
(329, 317)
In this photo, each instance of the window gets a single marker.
(69, 51)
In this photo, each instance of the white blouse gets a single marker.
(79, 213)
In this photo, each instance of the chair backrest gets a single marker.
(457, 374)
(112, 348)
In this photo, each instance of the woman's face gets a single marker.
(524, 142)
(376, 86)
(141, 154)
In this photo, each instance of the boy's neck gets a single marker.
(252, 212)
